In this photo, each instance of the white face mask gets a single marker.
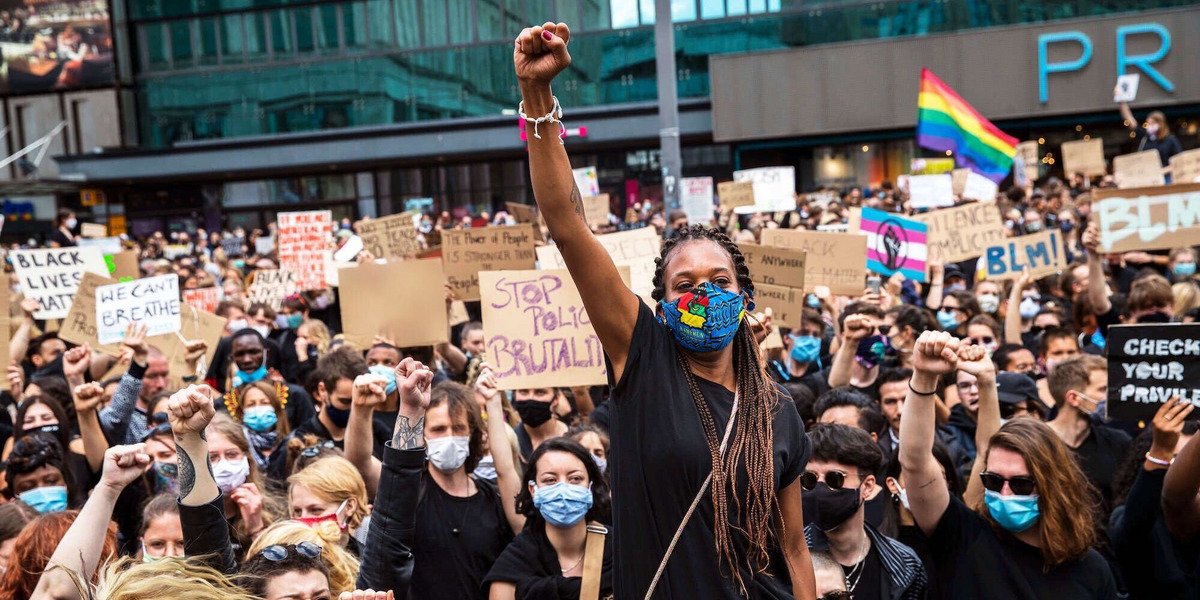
(989, 303)
(230, 474)
(601, 462)
(71, 223)
(237, 325)
(262, 330)
(448, 453)
(904, 499)
(486, 469)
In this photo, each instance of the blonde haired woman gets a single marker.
(342, 565)
(330, 497)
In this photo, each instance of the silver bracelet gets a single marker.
(553, 116)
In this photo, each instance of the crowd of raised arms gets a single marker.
(945, 439)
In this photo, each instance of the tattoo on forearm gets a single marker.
(187, 472)
(409, 435)
(577, 202)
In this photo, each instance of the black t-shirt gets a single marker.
(868, 580)
(452, 566)
(1098, 458)
(974, 561)
(659, 460)
(531, 564)
(62, 239)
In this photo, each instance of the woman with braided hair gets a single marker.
(706, 455)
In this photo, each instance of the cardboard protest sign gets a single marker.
(52, 275)
(271, 286)
(233, 246)
(93, 230)
(963, 232)
(786, 303)
(1150, 364)
(595, 210)
(735, 193)
(393, 236)
(636, 249)
(107, 245)
(774, 265)
(1084, 156)
(931, 191)
(400, 300)
(894, 244)
(1147, 218)
(958, 178)
(774, 188)
(303, 243)
(586, 181)
(1127, 87)
(980, 188)
(523, 213)
(5, 332)
(537, 331)
(79, 326)
(152, 302)
(1027, 153)
(458, 313)
(1140, 169)
(1185, 167)
(123, 265)
(174, 251)
(196, 325)
(835, 260)
(205, 298)
(466, 252)
(1041, 253)
(696, 199)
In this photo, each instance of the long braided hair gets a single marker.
(752, 441)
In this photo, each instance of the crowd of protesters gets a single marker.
(946, 439)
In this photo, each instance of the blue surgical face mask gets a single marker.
(947, 320)
(294, 321)
(387, 373)
(814, 301)
(1100, 413)
(260, 418)
(706, 318)
(241, 377)
(562, 504)
(601, 463)
(1030, 307)
(1184, 269)
(1013, 513)
(45, 500)
(806, 349)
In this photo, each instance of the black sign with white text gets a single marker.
(1150, 364)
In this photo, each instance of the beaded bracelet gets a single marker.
(1158, 461)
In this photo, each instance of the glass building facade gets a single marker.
(220, 69)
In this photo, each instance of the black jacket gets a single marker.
(387, 561)
(906, 578)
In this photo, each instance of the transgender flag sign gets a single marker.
(894, 244)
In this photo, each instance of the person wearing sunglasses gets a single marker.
(864, 346)
(1032, 534)
(839, 480)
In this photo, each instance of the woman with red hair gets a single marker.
(33, 548)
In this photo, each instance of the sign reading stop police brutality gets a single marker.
(51, 276)
(1150, 364)
(152, 302)
(303, 241)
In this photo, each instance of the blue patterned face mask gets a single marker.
(706, 319)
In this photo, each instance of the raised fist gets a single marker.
(541, 52)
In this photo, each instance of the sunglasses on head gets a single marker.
(1021, 485)
(834, 479)
(280, 552)
(315, 449)
(160, 418)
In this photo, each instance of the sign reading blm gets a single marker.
(1150, 364)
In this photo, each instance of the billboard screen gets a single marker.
(52, 45)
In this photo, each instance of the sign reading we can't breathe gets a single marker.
(1150, 364)
(153, 302)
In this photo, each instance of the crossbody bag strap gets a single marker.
(593, 561)
(662, 566)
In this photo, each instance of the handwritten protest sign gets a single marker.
(303, 243)
(595, 209)
(107, 245)
(835, 260)
(271, 286)
(931, 191)
(264, 245)
(1147, 218)
(79, 326)
(786, 303)
(1027, 156)
(774, 188)
(1140, 169)
(1127, 87)
(930, 166)
(894, 244)
(1148, 365)
(52, 275)
(958, 178)
(523, 213)
(1185, 167)
(963, 232)
(735, 193)
(466, 252)
(174, 251)
(980, 188)
(93, 230)
(152, 302)
(205, 298)
(773, 265)
(400, 300)
(696, 199)
(1041, 253)
(393, 236)
(123, 265)
(586, 181)
(635, 249)
(538, 332)
(1084, 156)
(233, 246)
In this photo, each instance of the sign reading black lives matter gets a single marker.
(1148, 365)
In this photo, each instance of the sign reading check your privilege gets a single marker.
(152, 302)
(52, 275)
(303, 241)
(466, 252)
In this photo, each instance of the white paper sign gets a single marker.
(152, 302)
(931, 191)
(585, 179)
(348, 252)
(1127, 87)
(696, 199)
(51, 276)
(774, 189)
(107, 245)
(980, 188)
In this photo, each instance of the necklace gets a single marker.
(455, 531)
(855, 574)
(577, 563)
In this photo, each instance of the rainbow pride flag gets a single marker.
(946, 122)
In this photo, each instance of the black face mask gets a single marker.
(1155, 317)
(51, 430)
(828, 508)
(533, 412)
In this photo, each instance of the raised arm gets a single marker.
(937, 278)
(115, 418)
(1012, 318)
(1127, 115)
(541, 54)
(855, 329)
(507, 477)
(1180, 499)
(934, 354)
(369, 392)
(87, 398)
(974, 360)
(78, 553)
(18, 346)
(1097, 293)
(201, 506)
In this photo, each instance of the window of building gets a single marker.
(153, 37)
(233, 47)
(283, 41)
(208, 49)
(255, 28)
(329, 27)
(181, 43)
(306, 35)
